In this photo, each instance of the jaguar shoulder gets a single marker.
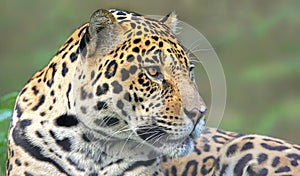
(116, 96)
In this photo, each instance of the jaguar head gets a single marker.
(140, 81)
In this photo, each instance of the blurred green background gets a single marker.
(256, 41)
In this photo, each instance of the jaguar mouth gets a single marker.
(160, 140)
(165, 143)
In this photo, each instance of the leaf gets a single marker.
(7, 101)
(6, 109)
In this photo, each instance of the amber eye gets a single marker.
(154, 72)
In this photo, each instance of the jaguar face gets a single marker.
(141, 83)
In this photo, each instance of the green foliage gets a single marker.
(272, 71)
(6, 107)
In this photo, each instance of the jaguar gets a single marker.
(119, 98)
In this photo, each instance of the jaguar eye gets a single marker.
(192, 67)
(154, 72)
(192, 74)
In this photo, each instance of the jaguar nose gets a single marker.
(197, 116)
(202, 109)
(200, 122)
(196, 113)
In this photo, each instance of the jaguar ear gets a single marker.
(102, 34)
(171, 21)
(99, 20)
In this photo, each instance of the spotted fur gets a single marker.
(119, 95)
(223, 153)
